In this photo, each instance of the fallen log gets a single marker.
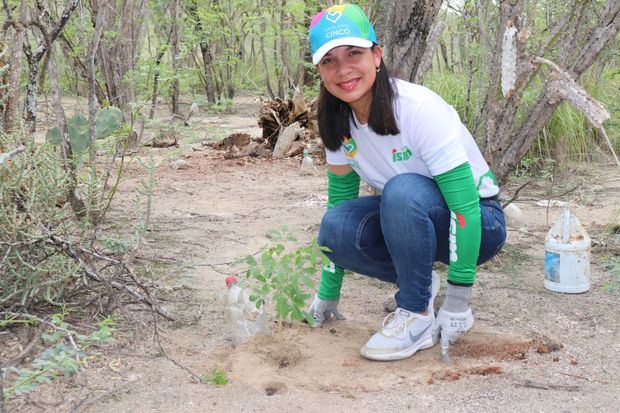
(288, 135)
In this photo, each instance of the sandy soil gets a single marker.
(209, 215)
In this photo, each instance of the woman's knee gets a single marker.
(409, 189)
(331, 230)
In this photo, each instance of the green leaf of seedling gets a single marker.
(296, 314)
(250, 260)
(282, 306)
(309, 271)
(308, 282)
(253, 297)
(291, 238)
(274, 235)
(325, 260)
(218, 378)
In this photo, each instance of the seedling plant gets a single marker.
(285, 277)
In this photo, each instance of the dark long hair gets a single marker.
(334, 114)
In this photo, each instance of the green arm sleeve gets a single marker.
(459, 190)
(339, 189)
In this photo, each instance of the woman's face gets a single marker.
(349, 72)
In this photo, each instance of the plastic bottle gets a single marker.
(567, 255)
(514, 216)
(307, 165)
(242, 316)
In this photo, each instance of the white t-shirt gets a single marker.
(432, 141)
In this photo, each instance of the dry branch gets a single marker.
(565, 88)
(5, 157)
(91, 273)
(429, 52)
(36, 335)
(288, 135)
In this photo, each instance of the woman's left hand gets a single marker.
(323, 310)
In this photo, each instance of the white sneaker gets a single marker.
(403, 334)
(389, 304)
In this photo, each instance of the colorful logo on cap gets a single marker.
(341, 25)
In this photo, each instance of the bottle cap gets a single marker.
(231, 279)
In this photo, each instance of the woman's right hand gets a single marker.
(323, 310)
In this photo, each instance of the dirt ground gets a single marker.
(530, 350)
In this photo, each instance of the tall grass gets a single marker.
(568, 136)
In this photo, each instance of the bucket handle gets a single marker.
(566, 224)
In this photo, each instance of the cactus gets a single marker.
(107, 122)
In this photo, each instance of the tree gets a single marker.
(46, 33)
(120, 48)
(406, 28)
(506, 139)
(504, 128)
(202, 31)
(11, 102)
(175, 50)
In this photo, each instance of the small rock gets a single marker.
(548, 345)
(179, 164)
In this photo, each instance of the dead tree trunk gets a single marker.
(284, 75)
(175, 50)
(34, 56)
(15, 68)
(117, 55)
(504, 130)
(90, 72)
(71, 54)
(205, 52)
(158, 59)
(505, 140)
(263, 30)
(407, 27)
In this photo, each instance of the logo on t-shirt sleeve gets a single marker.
(350, 147)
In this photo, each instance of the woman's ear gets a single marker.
(377, 54)
(318, 70)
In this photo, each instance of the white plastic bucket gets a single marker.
(567, 256)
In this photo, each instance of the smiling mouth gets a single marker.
(349, 85)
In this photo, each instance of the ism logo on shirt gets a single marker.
(403, 155)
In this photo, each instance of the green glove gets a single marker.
(340, 188)
(459, 190)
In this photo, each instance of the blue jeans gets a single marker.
(397, 236)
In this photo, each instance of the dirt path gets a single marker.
(218, 210)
